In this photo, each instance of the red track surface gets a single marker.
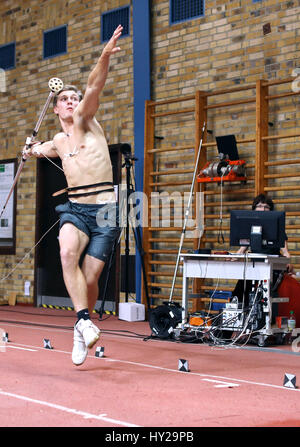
(137, 382)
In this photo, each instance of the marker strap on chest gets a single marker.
(74, 188)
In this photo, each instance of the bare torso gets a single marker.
(86, 160)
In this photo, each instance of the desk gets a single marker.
(250, 266)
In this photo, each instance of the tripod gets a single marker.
(130, 188)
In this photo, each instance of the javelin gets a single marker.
(55, 85)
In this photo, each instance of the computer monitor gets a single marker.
(262, 231)
(227, 145)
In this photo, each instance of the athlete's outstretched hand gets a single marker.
(110, 47)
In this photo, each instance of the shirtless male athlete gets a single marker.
(83, 150)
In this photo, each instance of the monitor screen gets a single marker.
(262, 231)
(227, 145)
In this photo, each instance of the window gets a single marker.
(55, 41)
(182, 10)
(8, 56)
(111, 19)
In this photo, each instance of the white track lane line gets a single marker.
(19, 347)
(221, 384)
(161, 368)
(231, 379)
(85, 415)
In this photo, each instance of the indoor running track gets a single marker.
(137, 383)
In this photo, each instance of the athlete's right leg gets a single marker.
(72, 243)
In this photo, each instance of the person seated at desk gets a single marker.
(242, 288)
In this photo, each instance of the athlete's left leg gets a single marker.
(92, 269)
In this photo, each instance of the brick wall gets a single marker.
(27, 91)
(234, 45)
(225, 48)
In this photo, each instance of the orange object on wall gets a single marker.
(235, 172)
(290, 288)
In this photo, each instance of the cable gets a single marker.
(28, 323)
(71, 328)
(28, 253)
(244, 277)
(246, 321)
(220, 232)
(51, 161)
(211, 297)
(224, 341)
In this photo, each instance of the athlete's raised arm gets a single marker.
(97, 78)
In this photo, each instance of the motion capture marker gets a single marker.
(99, 351)
(289, 381)
(5, 337)
(47, 344)
(55, 84)
(183, 365)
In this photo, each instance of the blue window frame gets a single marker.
(8, 56)
(182, 10)
(55, 41)
(256, 1)
(111, 19)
